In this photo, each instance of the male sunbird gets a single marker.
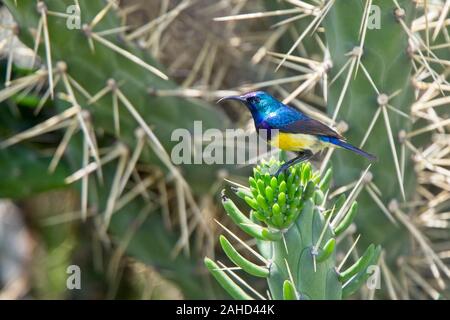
(291, 130)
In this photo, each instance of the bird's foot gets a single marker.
(302, 156)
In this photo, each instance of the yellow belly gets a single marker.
(296, 142)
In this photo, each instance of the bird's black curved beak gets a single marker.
(238, 98)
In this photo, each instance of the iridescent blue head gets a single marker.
(258, 102)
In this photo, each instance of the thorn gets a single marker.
(42, 9)
(393, 150)
(348, 254)
(128, 55)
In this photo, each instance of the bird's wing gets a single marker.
(310, 126)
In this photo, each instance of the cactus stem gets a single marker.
(348, 254)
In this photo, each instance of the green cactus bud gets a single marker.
(274, 183)
(276, 210)
(282, 186)
(281, 177)
(282, 199)
(269, 194)
(261, 186)
(267, 178)
(262, 202)
(306, 173)
(252, 182)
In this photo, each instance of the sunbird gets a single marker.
(291, 130)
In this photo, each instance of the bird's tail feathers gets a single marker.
(350, 147)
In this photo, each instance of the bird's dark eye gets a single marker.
(253, 99)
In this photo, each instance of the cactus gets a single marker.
(102, 87)
(295, 237)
